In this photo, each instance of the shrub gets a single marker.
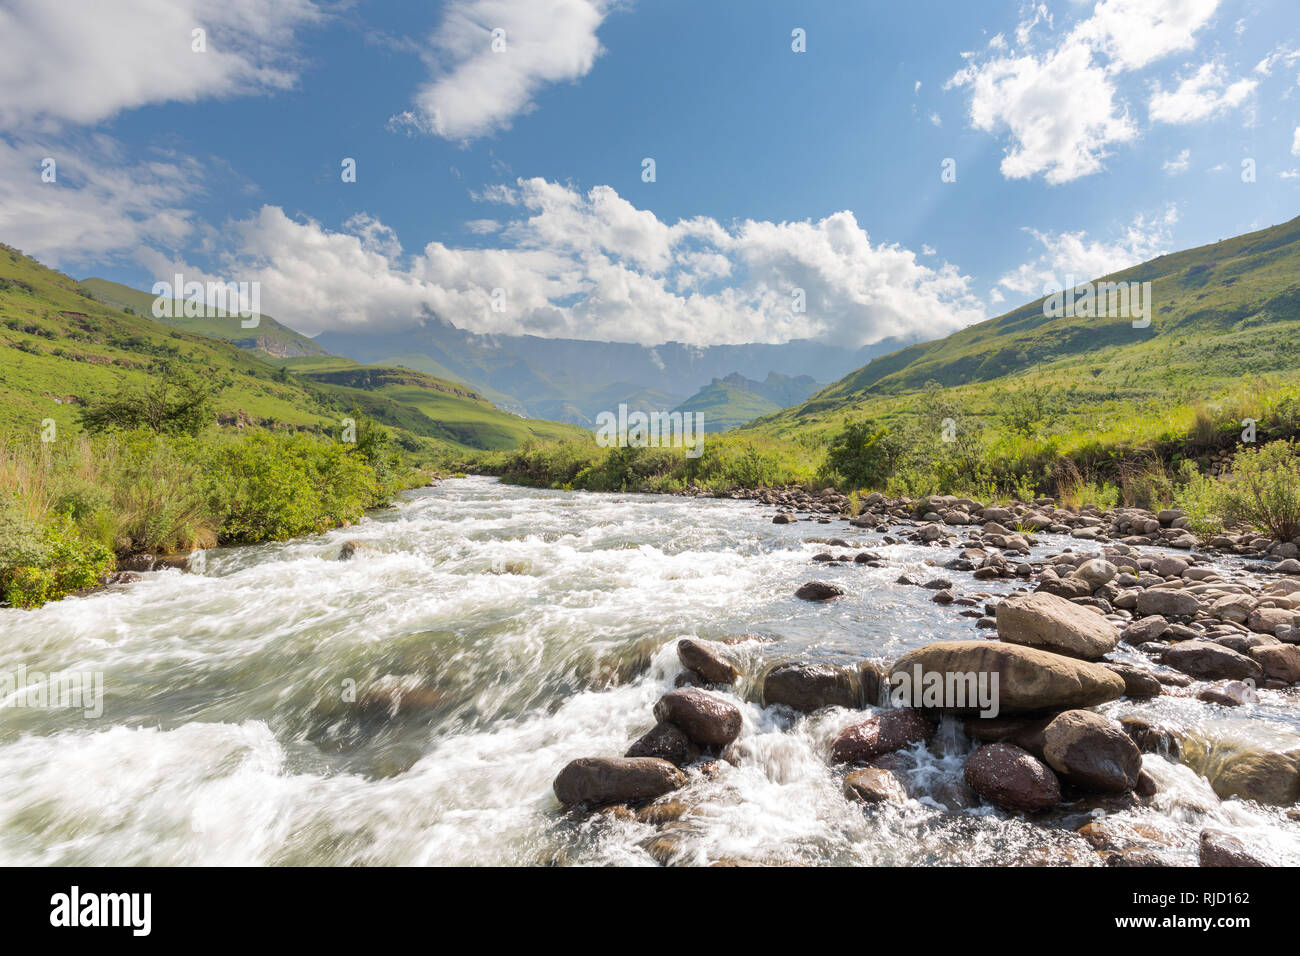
(60, 561)
(862, 454)
(1263, 489)
(173, 401)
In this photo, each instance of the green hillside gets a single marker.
(61, 347)
(268, 336)
(735, 400)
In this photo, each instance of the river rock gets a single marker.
(1209, 661)
(807, 686)
(1222, 849)
(705, 661)
(1055, 624)
(1028, 679)
(1266, 620)
(1147, 629)
(1096, 572)
(603, 780)
(1012, 778)
(667, 742)
(873, 785)
(1167, 602)
(818, 591)
(882, 734)
(1279, 661)
(1139, 684)
(705, 718)
(1228, 693)
(351, 548)
(1264, 776)
(1092, 752)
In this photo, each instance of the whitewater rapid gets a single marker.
(412, 705)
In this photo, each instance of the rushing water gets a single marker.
(492, 634)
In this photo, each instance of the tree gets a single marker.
(863, 454)
(175, 400)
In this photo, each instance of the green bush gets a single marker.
(863, 455)
(57, 562)
(1263, 489)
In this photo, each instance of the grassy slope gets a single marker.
(268, 335)
(60, 347)
(726, 406)
(1226, 321)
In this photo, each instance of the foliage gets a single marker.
(175, 400)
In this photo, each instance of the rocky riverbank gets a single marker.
(1114, 615)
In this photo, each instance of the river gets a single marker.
(413, 705)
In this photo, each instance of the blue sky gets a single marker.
(1085, 136)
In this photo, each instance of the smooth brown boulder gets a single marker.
(807, 686)
(705, 661)
(705, 718)
(1028, 679)
(873, 785)
(1207, 661)
(1264, 776)
(1054, 624)
(885, 733)
(1092, 752)
(1222, 849)
(602, 780)
(1012, 778)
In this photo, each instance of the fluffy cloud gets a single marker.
(1061, 106)
(100, 207)
(1295, 142)
(475, 89)
(1074, 257)
(82, 61)
(594, 266)
(1199, 96)
(1179, 164)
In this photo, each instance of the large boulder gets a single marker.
(705, 718)
(1012, 778)
(1092, 752)
(1027, 679)
(602, 780)
(1280, 661)
(882, 734)
(1096, 572)
(1055, 624)
(806, 686)
(1207, 661)
(1266, 620)
(1261, 775)
(705, 661)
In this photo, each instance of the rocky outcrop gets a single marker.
(1054, 624)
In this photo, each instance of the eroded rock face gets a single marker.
(705, 661)
(885, 733)
(1012, 778)
(705, 718)
(1028, 679)
(602, 780)
(1092, 752)
(1054, 624)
